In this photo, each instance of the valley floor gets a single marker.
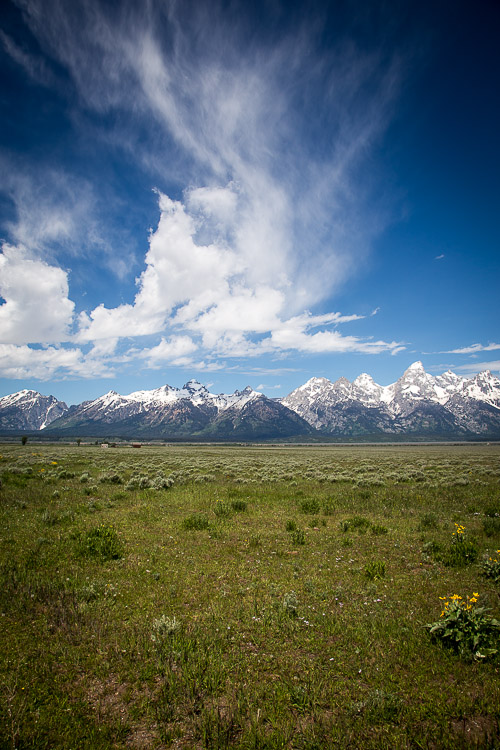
(246, 596)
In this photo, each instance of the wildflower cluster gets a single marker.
(468, 603)
(465, 627)
(459, 532)
(491, 568)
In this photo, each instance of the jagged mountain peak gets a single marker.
(194, 385)
(363, 378)
(416, 367)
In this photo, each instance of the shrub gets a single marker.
(161, 483)
(164, 628)
(466, 628)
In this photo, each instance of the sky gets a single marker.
(246, 193)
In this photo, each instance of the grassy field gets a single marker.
(246, 597)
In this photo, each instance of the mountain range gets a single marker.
(417, 405)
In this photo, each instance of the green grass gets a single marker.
(244, 596)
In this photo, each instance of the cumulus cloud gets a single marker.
(36, 307)
(212, 293)
(175, 351)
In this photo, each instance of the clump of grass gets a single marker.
(493, 509)
(102, 542)
(239, 506)
(291, 526)
(491, 526)
(374, 570)
(466, 628)
(222, 509)
(428, 521)
(458, 554)
(381, 706)
(378, 530)
(290, 604)
(298, 537)
(255, 541)
(196, 522)
(50, 517)
(355, 522)
(310, 505)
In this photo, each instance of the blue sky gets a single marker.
(246, 193)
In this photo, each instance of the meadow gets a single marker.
(249, 596)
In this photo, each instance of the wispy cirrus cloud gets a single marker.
(474, 349)
(475, 367)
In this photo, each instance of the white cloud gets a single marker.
(287, 124)
(268, 143)
(212, 293)
(36, 308)
(174, 351)
(19, 362)
(474, 349)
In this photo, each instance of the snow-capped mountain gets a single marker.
(416, 402)
(29, 410)
(190, 411)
